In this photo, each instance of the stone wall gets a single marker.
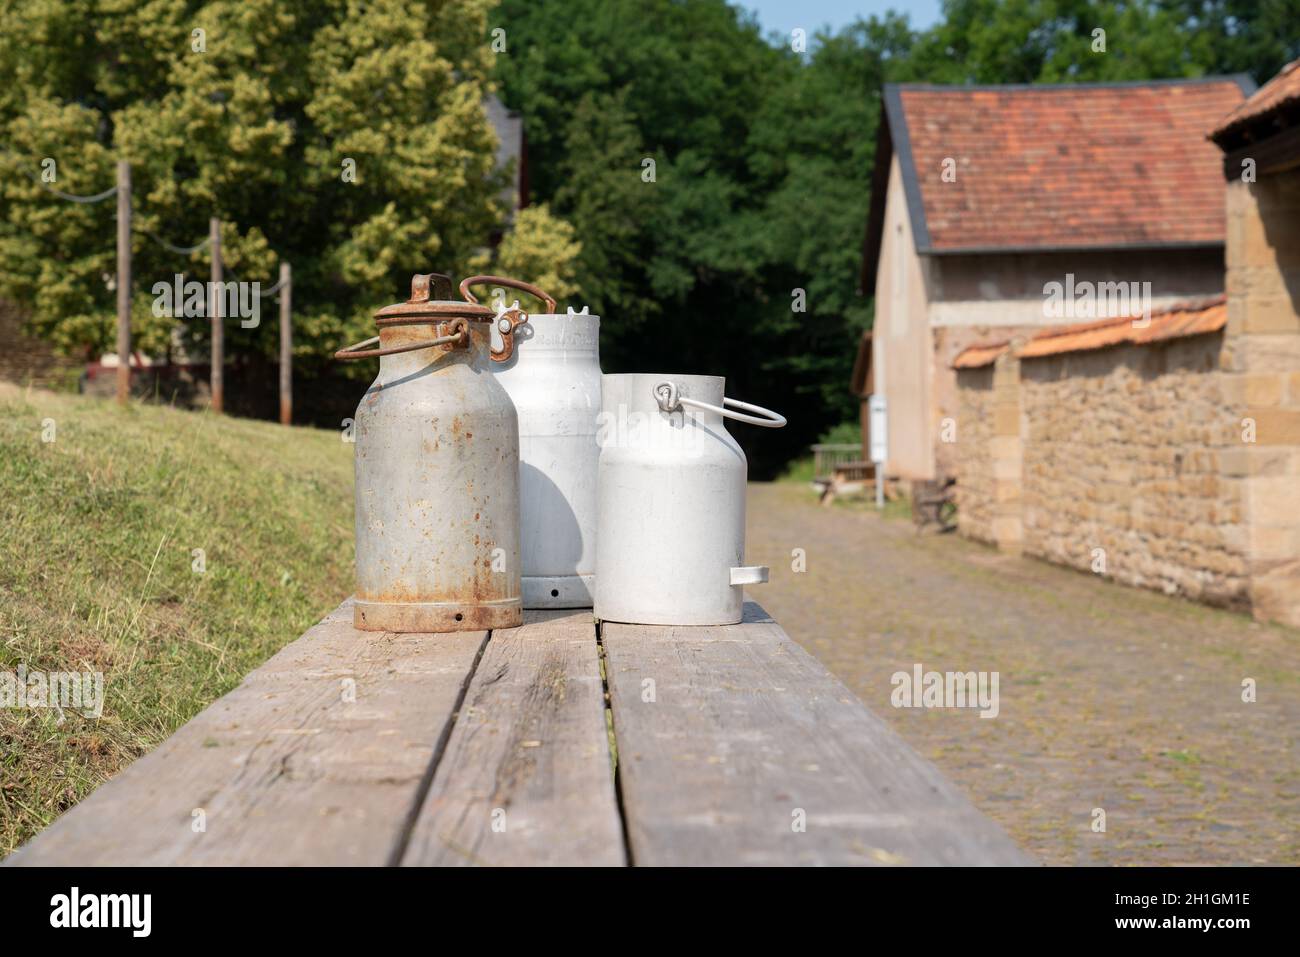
(1262, 370)
(948, 343)
(988, 454)
(1124, 454)
(1174, 464)
(975, 459)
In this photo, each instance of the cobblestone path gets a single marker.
(1110, 697)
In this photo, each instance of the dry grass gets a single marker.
(97, 536)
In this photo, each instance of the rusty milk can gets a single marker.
(553, 378)
(437, 469)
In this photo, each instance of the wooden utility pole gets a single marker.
(214, 311)
(123, 281)
(286, 345)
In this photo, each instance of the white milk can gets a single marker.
(670, 534)
(437, 469)
(553, 378)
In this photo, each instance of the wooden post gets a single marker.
(286, 345)
(123, 281)
(214, 311)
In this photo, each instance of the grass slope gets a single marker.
(98, 572)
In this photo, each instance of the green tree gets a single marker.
(740, 257)
(812, 147)
(541, 249)
(1257, 37)
(347, 138)
(1037, 41)
(638, 114)
(602, 193)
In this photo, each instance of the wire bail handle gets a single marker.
(668, 397)
(458, 337)
(508, 320)
(425, 287)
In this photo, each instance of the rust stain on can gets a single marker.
(419, 477)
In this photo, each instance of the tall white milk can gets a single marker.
(670, 533)
(437, 469)
(553, 378)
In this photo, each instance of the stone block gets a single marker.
(1006, 420)
(1272, 544)
(1266, 314)
(1275, 595)
(1005, 492)
(1235, 537)
(1251, 460)
(1270, 237)
(1007, 471)
(1274, 501)
(1276, 426)
(1267, 353)
(1005, 448)
(1008, 533)
(1265, 389)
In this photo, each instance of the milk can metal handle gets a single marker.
(665, 393)
(459, 336)
(510, 319)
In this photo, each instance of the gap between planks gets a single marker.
(747, 728)
(404, 836)
(736, 746)
(312, 760)
(612, 736)
(526, 777)
(288, 769)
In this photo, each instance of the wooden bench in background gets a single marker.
(847, 477)
(837, 467)
(479, 748)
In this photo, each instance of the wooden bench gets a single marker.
(847, 477)
(472, 748)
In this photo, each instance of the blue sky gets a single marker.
(785, 15)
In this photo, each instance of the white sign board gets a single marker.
(877, 424)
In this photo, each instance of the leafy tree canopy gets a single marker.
(347, 138)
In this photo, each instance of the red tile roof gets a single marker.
(980, 355)
(1272, 97)
(1063, 166)
(1175, 322)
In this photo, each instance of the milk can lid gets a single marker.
(431, 300)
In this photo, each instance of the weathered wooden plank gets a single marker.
(317, 758)
(728, 736)
(526, 776)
